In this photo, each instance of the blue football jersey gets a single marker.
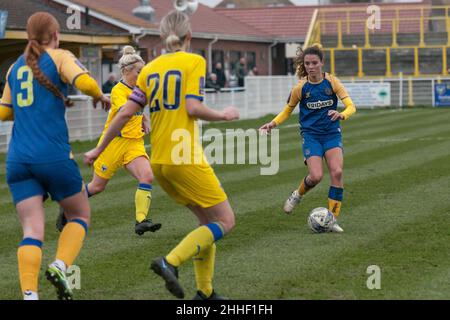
(40, 131)
(315, 100)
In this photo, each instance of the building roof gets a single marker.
(205, 22)
(20, 10)
(254, 3)
(282, 23)
(292, 23)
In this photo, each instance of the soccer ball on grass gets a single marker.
(321, 220)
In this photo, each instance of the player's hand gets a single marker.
(267, 128)
(104, 101)
(91, 156)
(230, 113)
(335, 115)
(145, 126)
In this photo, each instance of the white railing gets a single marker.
(262, 95)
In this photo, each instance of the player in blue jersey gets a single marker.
(317, 95)
(39, 161)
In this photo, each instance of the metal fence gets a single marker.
(261, 96)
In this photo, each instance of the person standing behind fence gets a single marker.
(39, 161)
(110, 83)
(317, 94)
(221, 78)
(172, 85)
(241, 72)
(127, 149)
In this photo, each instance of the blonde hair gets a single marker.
(129, 59)
(174, 28)
(299, 61)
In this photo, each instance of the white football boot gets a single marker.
(293, 200)
(336, 228)
(30, 295)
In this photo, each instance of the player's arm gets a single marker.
(145, 124)
(349, 108)
(292, 101)
(6, 108)
(342, 94)
(196, 108)
(195, 96)
(135, 103)
(73, 72)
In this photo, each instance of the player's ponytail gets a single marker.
(41, 26)
(129, 59)
(174, 28)
(299, 61)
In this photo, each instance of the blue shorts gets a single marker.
(318, 144)
(60, 179)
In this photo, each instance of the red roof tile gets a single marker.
(284, 22)
(205, 20)
(293, 22)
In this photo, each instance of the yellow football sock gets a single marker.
(29, 256)
(71, 241)
(334, 207)
(335, 196)
(142, 199)
(204, 269)
(196, 241)
(304, 187)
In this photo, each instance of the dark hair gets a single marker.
(40, 28)
(299, 61)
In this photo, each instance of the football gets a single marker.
(320, 220)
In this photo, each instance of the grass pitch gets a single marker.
(396, 215)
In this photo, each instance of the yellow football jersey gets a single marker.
(166, 83)
(119, 96)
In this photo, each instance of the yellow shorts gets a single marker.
(190, 184)
(119, 152)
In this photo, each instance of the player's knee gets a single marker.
(336, 173)
(315, 177)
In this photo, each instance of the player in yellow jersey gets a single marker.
(316, 94)
(172, 85)
(40, 162)
(127, 149)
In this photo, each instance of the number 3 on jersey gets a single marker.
(171, 87)
(25, 77)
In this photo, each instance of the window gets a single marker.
(251, 60)
(235, 56)
(217, 56)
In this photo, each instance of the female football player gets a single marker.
(317, 93)
(39, 161)
(172, 85)
(127, 149)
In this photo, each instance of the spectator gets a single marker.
(110, 83)
(221, 78)
(253, 72)
(240, 72)
(212, 82)
(233, 81)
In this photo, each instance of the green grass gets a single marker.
(396, 214)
